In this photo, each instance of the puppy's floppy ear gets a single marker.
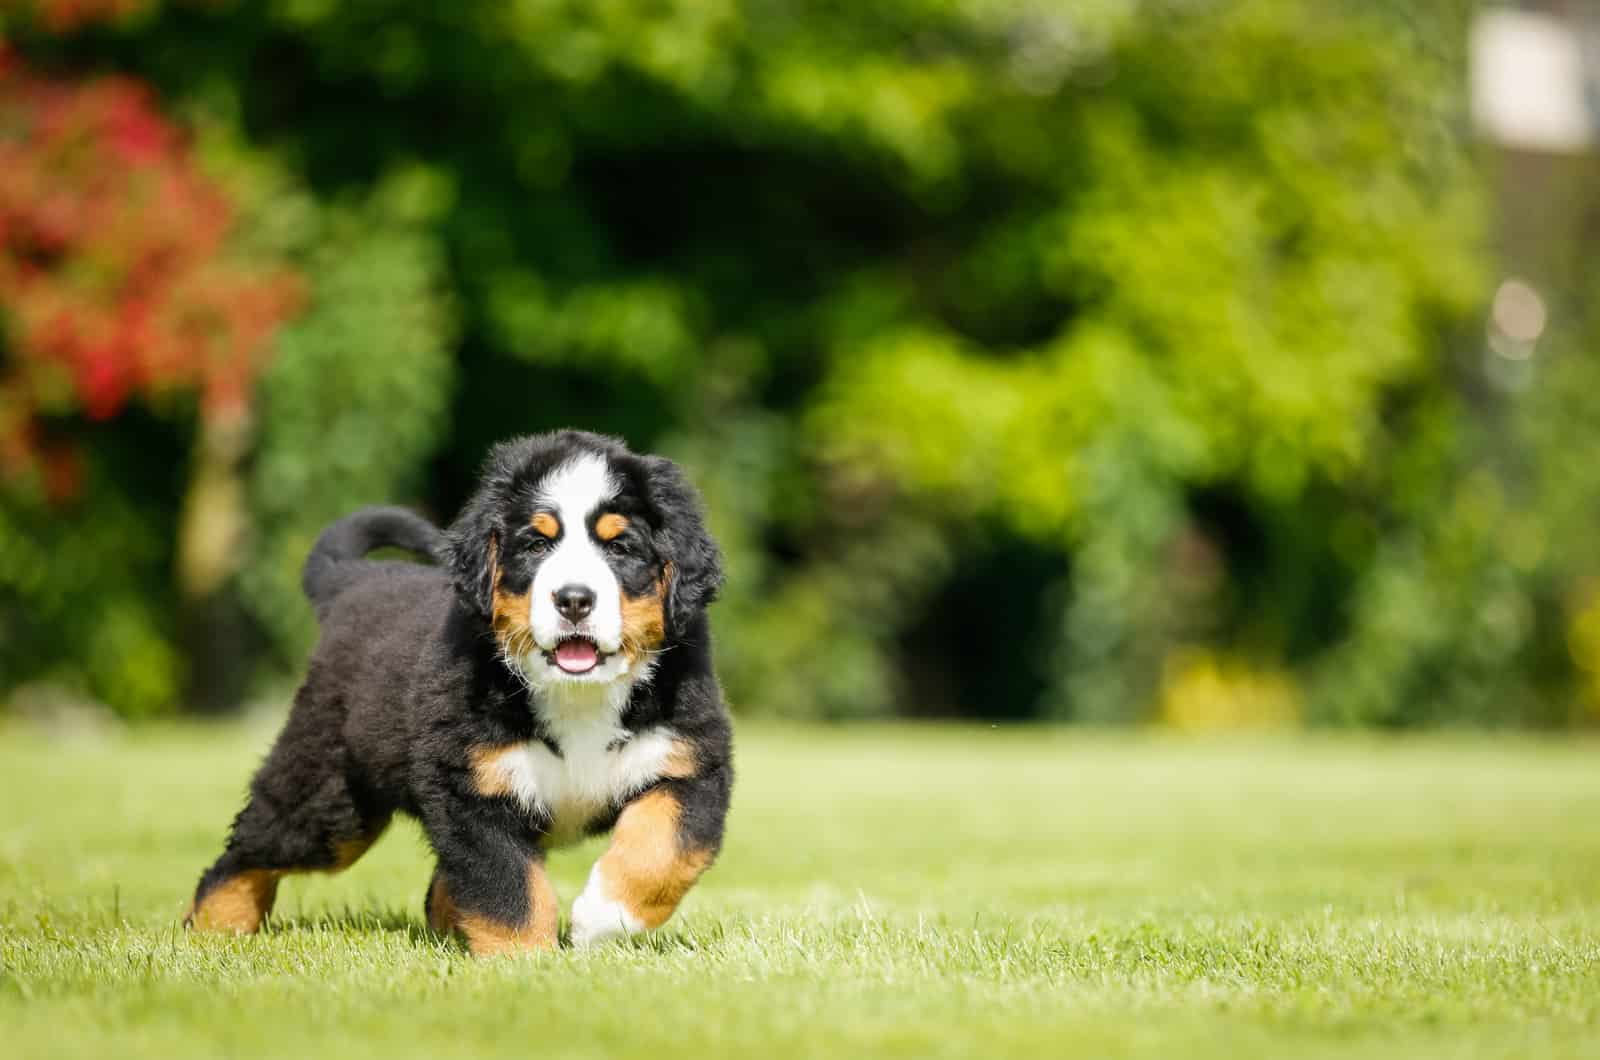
(471, 549)
(471, 552)
(694, 574)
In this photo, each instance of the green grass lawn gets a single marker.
(917, 892)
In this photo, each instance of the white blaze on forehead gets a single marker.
(578, 487)
(574, 491)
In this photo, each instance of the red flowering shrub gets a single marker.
(114, 279)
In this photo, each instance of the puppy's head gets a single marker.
(585, 558)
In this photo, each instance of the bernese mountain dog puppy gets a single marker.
(549, 679)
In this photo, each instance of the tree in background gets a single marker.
(1108, 361)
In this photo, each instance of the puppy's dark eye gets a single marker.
(539, 546)
(618, 547)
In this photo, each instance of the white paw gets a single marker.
(597, 919)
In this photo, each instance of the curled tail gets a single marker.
(330, 565)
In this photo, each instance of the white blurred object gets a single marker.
(1518, 311)
(1536, 81)
(1517, 318)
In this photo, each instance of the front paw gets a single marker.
(597, 920)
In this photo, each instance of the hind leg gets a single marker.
(233, 899)
(304, 814)
(238, 891)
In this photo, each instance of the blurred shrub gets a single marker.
(84, 591)
(138, 443)
(117, 285)
(354, 402)
(113, 270)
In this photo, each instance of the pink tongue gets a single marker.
(576, 655)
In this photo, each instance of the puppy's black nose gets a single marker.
(574, 602)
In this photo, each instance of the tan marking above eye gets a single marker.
(610, 526)
(546, 524)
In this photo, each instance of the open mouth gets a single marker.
(576, 655)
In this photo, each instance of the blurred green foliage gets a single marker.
(1036, 359)
(86, 592)
(352, 407)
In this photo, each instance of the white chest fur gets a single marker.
(600, 765)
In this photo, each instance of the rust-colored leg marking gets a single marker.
(349, 852)
(443, 916)
(486, 937)
(237, 904)
(240, 902)
(646, 870)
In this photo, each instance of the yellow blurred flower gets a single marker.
(1583, 641)
(1201, 690)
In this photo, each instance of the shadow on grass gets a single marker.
(358, 922)
(417, 933)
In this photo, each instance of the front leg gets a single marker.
(663, 840)
(490, 885)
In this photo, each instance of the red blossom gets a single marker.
(114, 272)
